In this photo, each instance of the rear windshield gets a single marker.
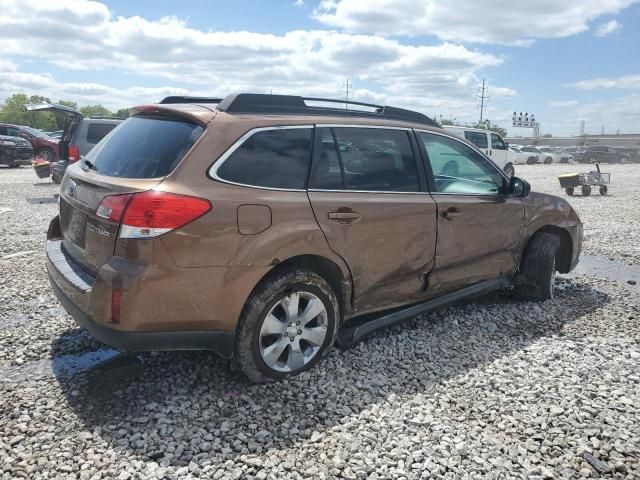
(144, 147)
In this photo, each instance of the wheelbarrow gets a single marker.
(585, 181)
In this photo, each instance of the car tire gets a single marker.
(586, 190)
(548, 160)
(509, 170)
(538, 268)
(569, 191)
(532, 161)
(604, 190)
(14, 165)
(46, 153)
(272, 341)
(624, 160)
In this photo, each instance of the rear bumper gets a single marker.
(221, 342)
(88, 300)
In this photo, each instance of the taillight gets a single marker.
(74, 153)
(112, 207)
(151, 213)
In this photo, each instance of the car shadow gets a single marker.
(137, 401)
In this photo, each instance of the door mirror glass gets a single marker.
(519, 187)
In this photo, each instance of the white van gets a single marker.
(490, 143)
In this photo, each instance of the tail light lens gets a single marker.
(152, 213)
(74, 153)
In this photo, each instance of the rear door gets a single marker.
(368, 194)
(135, 157)
(479, 227)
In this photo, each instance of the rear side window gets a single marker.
(144, 147)
(479, 139)
(277, 158)
(97, 131)
(369, 159)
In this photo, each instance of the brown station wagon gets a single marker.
(268, 227)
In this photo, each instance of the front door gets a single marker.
(479, 226)
(369, 197)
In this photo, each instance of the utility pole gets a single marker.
(347, 88)
(602, 131)
(582, 124)
(484, 99)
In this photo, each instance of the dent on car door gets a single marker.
(367, 195)
(479, 226)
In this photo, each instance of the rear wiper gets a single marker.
(89, 164)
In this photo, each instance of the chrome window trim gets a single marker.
(342, 125)
(473, 147)
(213, 169)
(365, 191)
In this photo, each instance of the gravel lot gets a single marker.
(491, 389)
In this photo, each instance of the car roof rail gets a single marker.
(187, 99)
(293, 104)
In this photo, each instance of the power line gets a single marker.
(484, 99)
(347, 88)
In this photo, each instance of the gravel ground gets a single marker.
(491, 389)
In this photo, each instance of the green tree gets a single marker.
(12, 110)
(122, 113)
(68, 103)
(96, 111)
(446, 122)
(493, 127)
(547, 135)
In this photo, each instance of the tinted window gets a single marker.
(144, 147)
(97, 131)
(13, 132)
(458, 168)
(497, 143)
(325, 171)
(376, 159)
(479, 139)
(272, 158)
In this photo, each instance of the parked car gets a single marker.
(516, 156)
(43, 145)
(549, 155)
(488, 142)
(565, 157)
(15, 151)
(80, 135)
(630, 154)
(266, 229)
(602, 154)
(576, 152)
(543, 157)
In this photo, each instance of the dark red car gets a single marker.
(43, 145)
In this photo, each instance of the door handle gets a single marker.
(449, 213)
(344, 216)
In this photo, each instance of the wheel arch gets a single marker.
(565, 253)
(339, 280)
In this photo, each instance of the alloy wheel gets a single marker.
(293, 331)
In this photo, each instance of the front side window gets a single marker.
(497, 143)
(459, 169)
(376, 159)
(276, 158)
(479, 139)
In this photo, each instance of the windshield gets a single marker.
(144, 147)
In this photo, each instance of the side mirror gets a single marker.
(506, 144)
(519, 187)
